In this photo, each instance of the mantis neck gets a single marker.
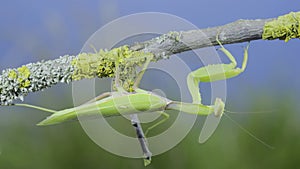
(191, 108)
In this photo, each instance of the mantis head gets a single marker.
(219, 107)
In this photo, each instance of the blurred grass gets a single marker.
(23, 145)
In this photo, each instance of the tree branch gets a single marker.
(17, 83)
(177, 42)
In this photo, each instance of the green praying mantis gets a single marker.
(121, 102)
(141, 100)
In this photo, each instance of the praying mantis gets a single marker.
(121, 102)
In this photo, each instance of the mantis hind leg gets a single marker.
(165, 118)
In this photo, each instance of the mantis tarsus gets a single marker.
(144, 101)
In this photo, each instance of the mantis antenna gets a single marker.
(248, 132)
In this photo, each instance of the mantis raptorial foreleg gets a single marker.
(212, 73)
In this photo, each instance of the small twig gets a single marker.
(142, 139)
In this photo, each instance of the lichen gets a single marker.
(285, 27)
(32, 77)
(174, 35)
(103, 64)
(12, 74)
(21, 75)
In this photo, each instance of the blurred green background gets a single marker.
(35, 30)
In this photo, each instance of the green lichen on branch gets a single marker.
(17, 83)
(103, 64)
(285, 27)
(21, 75)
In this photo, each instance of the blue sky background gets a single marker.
(34, 30)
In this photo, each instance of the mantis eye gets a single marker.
(219, 107)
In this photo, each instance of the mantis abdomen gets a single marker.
(111, 106)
